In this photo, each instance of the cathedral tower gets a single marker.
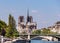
(26, 26)
(29, 18)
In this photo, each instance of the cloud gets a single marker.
(44, 22)
(34, 11)
(58, 15)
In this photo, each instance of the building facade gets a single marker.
(27, 25)
(55, 27)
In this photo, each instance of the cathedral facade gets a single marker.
(26, 26)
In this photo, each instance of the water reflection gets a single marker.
(41, 41)
(20, 41)
(35, 41)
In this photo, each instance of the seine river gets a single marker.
(40, 41)
(36, 41)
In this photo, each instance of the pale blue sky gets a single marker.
(44, 12)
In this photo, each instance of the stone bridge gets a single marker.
(41, 37)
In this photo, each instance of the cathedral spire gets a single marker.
(27, 12)
(28, 15)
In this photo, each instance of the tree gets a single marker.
(36, 32)
(45, 31)
(11, 29)
(3, 26)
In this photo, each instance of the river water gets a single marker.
(36, 41)
(41, 41)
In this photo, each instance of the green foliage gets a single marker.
(44, 32)
(11, 30)
(11, 33)
(15, 33)
(36, 32)
(3, 26)
(47, 31)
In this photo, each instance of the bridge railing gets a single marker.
(43, 34)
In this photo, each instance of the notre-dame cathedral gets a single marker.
(27, 25)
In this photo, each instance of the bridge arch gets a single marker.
(48, 38)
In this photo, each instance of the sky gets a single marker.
(44, 12)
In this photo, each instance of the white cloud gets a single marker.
(58, 15)
(34, 11)
(44, 22)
